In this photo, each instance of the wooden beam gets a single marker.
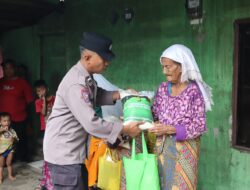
(23, 12)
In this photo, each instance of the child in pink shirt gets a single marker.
(44, 102)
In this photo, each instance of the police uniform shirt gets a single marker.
(73, 117)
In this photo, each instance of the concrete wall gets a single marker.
(138, 45)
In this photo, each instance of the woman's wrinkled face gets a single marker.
(171, 69)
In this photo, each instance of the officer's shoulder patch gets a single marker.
(85, 94)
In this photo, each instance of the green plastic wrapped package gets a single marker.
(137, 108)
(141, 169)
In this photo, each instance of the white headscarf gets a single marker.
(190, 70)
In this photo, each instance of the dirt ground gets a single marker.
(27, 177)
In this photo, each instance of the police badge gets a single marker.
(85, 94)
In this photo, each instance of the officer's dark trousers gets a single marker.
(69, 177)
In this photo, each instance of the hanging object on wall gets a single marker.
(128, 14)
(195, 14)
(61, 6)
(194, 9)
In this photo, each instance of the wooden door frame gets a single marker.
(237, 23)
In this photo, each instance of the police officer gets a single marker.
(73, 116)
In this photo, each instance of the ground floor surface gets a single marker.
(27, 176)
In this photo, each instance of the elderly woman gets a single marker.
(179, 111)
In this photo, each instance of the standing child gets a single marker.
(44, 102)
(8, 137)
(44, 105)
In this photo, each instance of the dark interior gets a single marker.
(243, 113)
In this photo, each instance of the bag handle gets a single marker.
(133, 149)
(144, 147)
(112, 153)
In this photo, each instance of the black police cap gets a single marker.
(98, 43)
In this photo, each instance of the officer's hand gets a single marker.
(132, 129)
(116, 96)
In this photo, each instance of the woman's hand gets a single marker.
(132, 91)
(161, 129)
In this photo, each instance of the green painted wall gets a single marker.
(138, 45)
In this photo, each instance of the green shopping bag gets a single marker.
(141, 169)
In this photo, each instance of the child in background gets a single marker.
(44, 105)
(44, 102)
(8, 137)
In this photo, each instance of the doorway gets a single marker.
(52, 60)
(241, 88)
